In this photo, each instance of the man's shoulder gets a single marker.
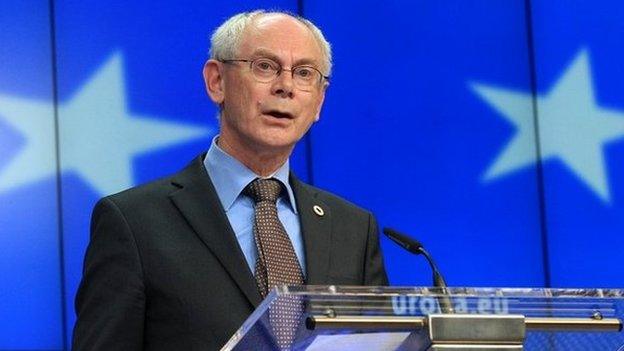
(155, 191)
(157, 188)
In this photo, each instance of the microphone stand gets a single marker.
(415, 247)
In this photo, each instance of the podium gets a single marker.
(418, 318)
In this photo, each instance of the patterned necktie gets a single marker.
(277, 262)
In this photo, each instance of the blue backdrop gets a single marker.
(490, 130)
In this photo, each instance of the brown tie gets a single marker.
(277, 262)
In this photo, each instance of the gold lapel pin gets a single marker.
(318, 210)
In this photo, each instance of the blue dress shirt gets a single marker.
(230, 177)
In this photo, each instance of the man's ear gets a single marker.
(320, 106)
(213, 78)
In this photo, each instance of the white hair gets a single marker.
(226, 39)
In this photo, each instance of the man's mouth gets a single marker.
(279, 114)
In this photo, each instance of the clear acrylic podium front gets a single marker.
(415, 318)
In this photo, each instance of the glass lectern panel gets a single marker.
(411, 318)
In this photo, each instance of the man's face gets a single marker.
(270, 117)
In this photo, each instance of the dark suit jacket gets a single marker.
(164, 271)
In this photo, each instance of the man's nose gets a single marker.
(283, 84)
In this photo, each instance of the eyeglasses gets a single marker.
(266, 70)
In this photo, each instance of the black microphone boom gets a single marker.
(414, 246)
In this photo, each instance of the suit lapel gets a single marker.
(198, 202)
(316, 231)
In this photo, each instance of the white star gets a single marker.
(572, 127)
(98, 135)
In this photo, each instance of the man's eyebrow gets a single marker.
(261, 52)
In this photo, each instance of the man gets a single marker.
(180, 263)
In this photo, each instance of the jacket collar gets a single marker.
(315, 218)
(197, 200)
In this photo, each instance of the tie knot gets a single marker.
(264, 190)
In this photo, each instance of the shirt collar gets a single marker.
(230, 176)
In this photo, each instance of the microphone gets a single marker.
(414, 246)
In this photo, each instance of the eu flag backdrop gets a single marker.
(493, 131)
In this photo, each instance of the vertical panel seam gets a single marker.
(59, 193)
(308, 142)
(538, 164)
(308, 137)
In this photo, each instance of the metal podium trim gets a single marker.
(413, 322)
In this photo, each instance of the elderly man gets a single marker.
(180, 263)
